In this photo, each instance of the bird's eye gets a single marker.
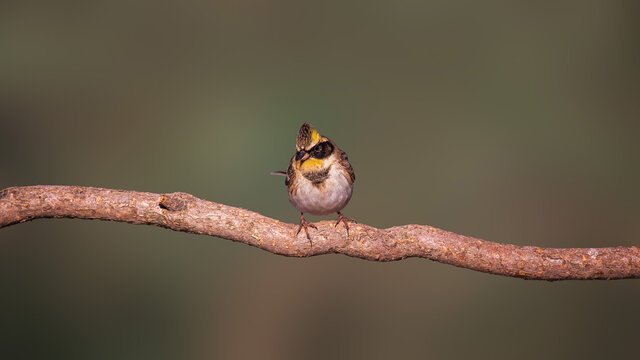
(318, 150)
(322, 150)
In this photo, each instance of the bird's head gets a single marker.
(313, 151)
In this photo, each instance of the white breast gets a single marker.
(332, 196)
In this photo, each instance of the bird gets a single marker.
(319, 178)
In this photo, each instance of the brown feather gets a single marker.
(344, 160)
(304, 137)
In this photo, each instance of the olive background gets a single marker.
(512, 121)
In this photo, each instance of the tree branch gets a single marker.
(184, 212)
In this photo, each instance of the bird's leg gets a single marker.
(344, 220)
(304, 224)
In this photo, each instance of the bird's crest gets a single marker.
(307, 137)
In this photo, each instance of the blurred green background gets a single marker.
(515, 122)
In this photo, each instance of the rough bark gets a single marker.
(184, 212)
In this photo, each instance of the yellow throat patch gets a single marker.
(309, 164)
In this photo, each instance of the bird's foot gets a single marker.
(305, 225)
(345, 220)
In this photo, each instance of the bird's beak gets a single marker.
(302, 155)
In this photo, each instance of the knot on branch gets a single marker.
(176, 201)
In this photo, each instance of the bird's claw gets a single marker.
(305, 225)
(345, 220)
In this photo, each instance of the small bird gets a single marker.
(319, 178)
